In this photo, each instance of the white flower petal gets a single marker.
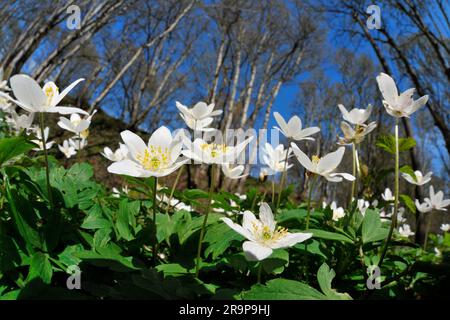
(255, 252)
(290, 240)
(126, 167)
(134, 143)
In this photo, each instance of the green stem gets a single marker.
(394, 216)
(205, 220)
(352, 196)
(258, 279)
(155, 188)
(47, 168)
(273, 192)
(173, 189)
(309, 201)
(427, 230)
(283, 178)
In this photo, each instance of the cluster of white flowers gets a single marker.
(33, 99)
(166, 152)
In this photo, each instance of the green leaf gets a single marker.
(110, 256)
(68, 258)
(126, 218)
(102, 238)
(322, 234)
(192, 194)
(409, 171)
(276, 262)
(325, 276)
(95, 219)
(9, 254)
(406, 144)
(408, 202)
(283, 289)
(40, 267)
(219, 237)
(371, 227)
(12, 147)
(293, 214)
(22, 216)
(387, 143)
(172, 269)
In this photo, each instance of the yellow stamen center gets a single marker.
(214, 149)
(154, 158)
(84, 134)
(315, 159)
(50, 92)
(267, 235)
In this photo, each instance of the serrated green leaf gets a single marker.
(283, 289)
(40, 267)
(408, 202)
(322, 234)
(325, 276)
(371, 227)
(13, 147)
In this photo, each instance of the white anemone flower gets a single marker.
(293, 128)
(405, 231)
(445, 227)
(400, 213)
(120, 154)
(356, 116)
(275, 158)
(48, 144)
(437, 252)
(198, 125)
(23, 121)
(423, 207)
(233, 173)
(199, 111)
(158, 158)
(213, 153)
(241, 196)
(32, 98)
(175, 203)
(67, 149)
(117, 192)
(396, 105)
(324, 166)
(338, 212)
(420, 178)
(362, 205)
(355, 135)
(263, 235)
(436, 200)
(387, 195)
(77, 143)
(76, 124)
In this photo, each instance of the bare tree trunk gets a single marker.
(138, 52)
(237, 69)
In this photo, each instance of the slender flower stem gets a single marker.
(311, 187)
(283, 179)
(427, 230)
(258, 279)
(177, 179)
(205, 220)
(352, 196)
(47, 168)
(273, 192)
(394, 216)
(155, 189)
